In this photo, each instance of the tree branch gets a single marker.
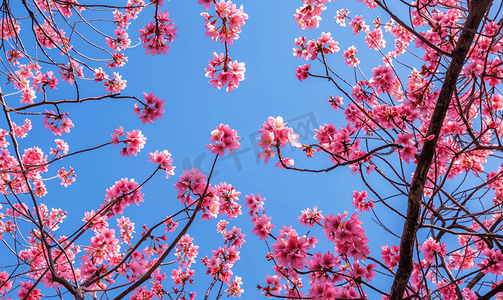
(424, 161)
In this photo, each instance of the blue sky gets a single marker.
(194, 109)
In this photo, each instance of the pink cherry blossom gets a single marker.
(186, 251)
(275, 133)
(164, 160)
(358, 24)
(360, 203)
(62, 148)
(291, 249)
(58, 124)
(71, 71)
(430, 248)
(155, 37)
(25, 287)
(230, 74)
(122, 194)
(67, 177)
(341, 16)
(235, 289)
(375, 39)
(22, 131)
(10, 28)
(262, 226)
(224, 138)
(206, 3)
(310, 217)
(255, 203)
(116, 84)
(302, 72)
(100, 75)
(286, 160)
(336, 102)
(349, 55)
(390, 255)
(153, 109)
(134, 141)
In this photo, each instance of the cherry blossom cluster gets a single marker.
(10, 28)
(360, 202)
(121, 41)
(347, 234)
(21, 131)
(192, 181)
(341, 16)
(308, 16)
(155, 37)
(224, 25)
(134, 141)
(33, 253)
(229, 17)
(403, 38)
(3, 140)
(430, 248)
(384, 81)
(13, 56)
(186, 251)
(336, 102)
(350, 57)
(357, 24)
(311, 217)
(328, 270)
(310, 50)
(230, 74)
(122, 194)
(22, 76)
(153, 109)
(374, 38)
(50, 37)
(71, 71)
(34, 164)
(58, 123)
(5, 283)
(157, 289)
(496, 184)
(113, 85)
(331, 275)
(171, 225)
(62, 148)
(227, 200)
(67, 177)
(224, 138)
(261, 223)
(6, 227)
(290, 249)
(275, 135)
(302, 72)
(42, 80)
(51, 6)
(339, 143)
(390, 255)
(219, 200)
(164, 160)
(219, 266)
(126, 229)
